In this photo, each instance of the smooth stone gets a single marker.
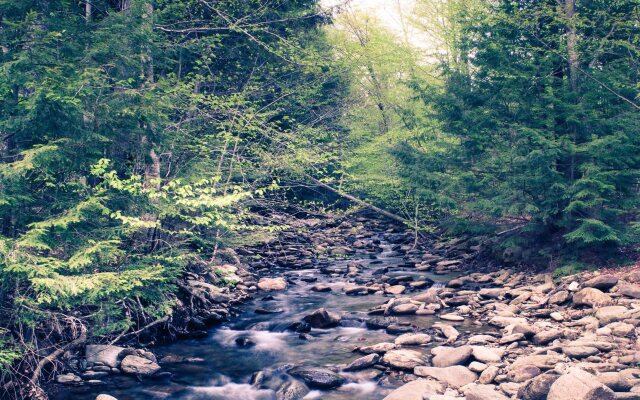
(105, 397)
(602, 282)
(449, 356)
(379, 348)
(607, 315)
(318, 377)
(591, 297)
(522, 373)
(580, 351)
(483, 392)
(322, 319)
(403, 359)
(363, 362)
(452, 317)
(272, 284)
(487, 354)
(488, 375)
(455, 376)
(413, 339)
(292, 390)
(103, 354)
(68, 379)
(545, 337)
(136, 365)
(558, 297)
(416, 390)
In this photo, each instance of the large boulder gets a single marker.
(103, 354)
(602, 282)
(579, 385)
(272, 284)
(403, 359)
(449, 356)
(318, 377)
(322, 319)
(416, 390)
(591, 297)
(455, 376)
(136, 365)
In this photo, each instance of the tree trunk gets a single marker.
(572, 52)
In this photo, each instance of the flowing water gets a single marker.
(223, 369)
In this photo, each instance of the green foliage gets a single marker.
(134, 142)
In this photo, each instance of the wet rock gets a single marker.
(483, 392)
(492, 293)
(403, 359)
(416, 390)
(356, 290)
(591, 297)
(318, 377)
(396, 329)
(322, 319)
(537, 388)
(322, 288)
(452, 317)
(404, 309)
(245, 342)
(447, 331)
(379, 348)
(105, 397)
(103, 354)
(136, 365)
(413, 339)
(363, 362)
(272, 284)
(395, 289)
(455, 376)
(379, 322)
(292, 390)
(602, 282)
(68, 379)
(579, 385)
(449, 356)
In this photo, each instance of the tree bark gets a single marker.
(572, 52)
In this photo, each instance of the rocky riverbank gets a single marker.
(495, 334)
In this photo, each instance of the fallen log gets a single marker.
(360, 202)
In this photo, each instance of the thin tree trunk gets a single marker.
(572, 52)
(358, 201)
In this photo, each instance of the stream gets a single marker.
(221, 365)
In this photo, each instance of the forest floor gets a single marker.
(361, 311)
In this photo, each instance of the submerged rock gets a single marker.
(322, 318)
